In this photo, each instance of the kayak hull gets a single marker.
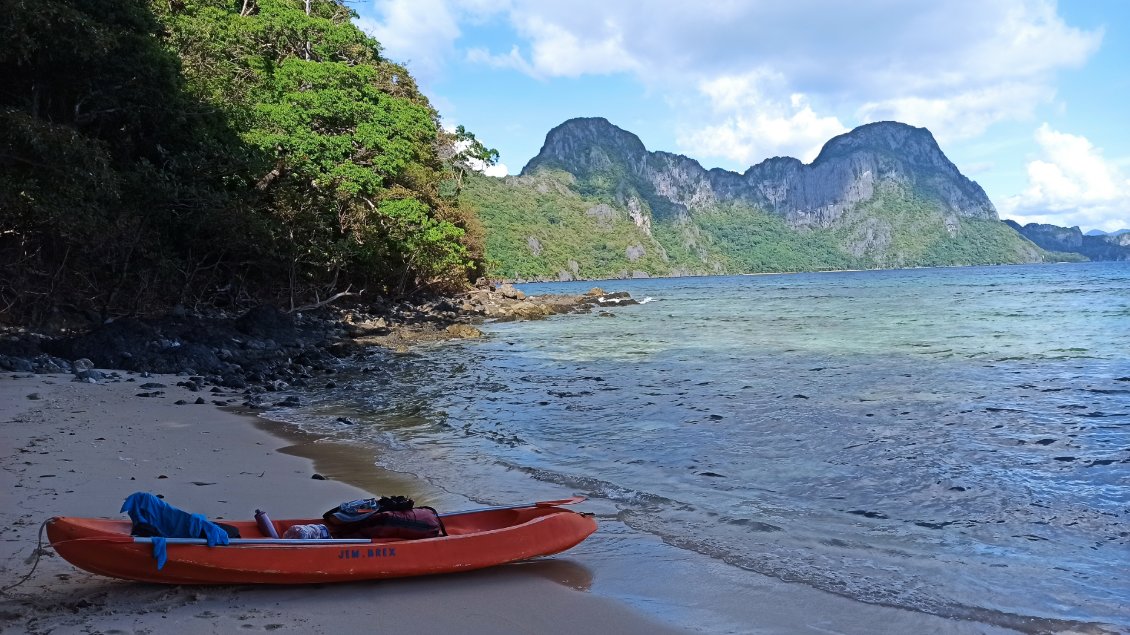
(474, 541)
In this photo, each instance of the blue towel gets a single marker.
(163, 520)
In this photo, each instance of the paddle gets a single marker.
(231, 541)
(564, 501)
(261, 541)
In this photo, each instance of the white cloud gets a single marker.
(1072, 184)
(496, 170)
(558, 51)
(420, 33)
(961, 114)
(879, 48)
(513, 59)
(753, 125)
(955, 67)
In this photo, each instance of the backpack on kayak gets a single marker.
(395, 517)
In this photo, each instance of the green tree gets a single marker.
(345, 144)
(104, 160)
(468, 154)
(215, 151)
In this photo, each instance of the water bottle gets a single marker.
(266, 527)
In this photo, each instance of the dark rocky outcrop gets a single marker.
(267, 350)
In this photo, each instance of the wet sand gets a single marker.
(80, 449)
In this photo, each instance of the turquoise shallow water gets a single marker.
(952, 441)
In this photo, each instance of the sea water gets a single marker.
(952, 441)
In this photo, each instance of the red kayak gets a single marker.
(474, 540)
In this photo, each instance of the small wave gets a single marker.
(791, 565)
(647, 299)
(596, 488)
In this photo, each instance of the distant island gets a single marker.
(595, 203)
(1094, 245)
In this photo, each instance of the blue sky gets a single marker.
(1028, 97)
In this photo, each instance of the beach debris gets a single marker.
(318, 477)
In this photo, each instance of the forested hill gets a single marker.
(212, 153)
(596, 203)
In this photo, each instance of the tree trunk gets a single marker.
(308, 41)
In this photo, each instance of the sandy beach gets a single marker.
(69, 448)
(79, 449)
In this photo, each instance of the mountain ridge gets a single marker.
(1071, 240)
(882, 195)
(582, 143)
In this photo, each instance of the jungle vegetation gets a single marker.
(212, 153)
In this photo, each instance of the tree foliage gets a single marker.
(470, 155)
(215, 151)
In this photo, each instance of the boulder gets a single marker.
(267, 322)
(463, 331)
(526, 311)
(508, 291)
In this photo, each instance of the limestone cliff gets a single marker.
(845, 173)
(882, 195)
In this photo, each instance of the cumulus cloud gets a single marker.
(862, 47)
(961, 114)
(513, 59)
(956, 67)
(754, 124)
(496, 170)
(421, 33)
(560, 51)
(1072, 184)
